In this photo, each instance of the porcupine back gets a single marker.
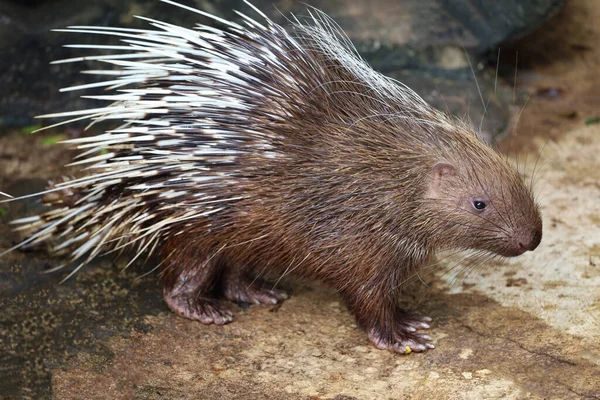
(218, 121)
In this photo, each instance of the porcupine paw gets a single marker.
(207, 311)
(254, 292)
(406, 336)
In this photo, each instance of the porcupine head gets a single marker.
(248, 151)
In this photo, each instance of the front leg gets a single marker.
(376, 309)
(403, 334)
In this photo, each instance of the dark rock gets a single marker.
(476, 25)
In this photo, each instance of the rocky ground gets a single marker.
(524, 328)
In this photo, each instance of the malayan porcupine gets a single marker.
(247, 149)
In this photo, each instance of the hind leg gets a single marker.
(189, 288)
(239, 286)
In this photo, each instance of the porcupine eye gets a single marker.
(479, 205)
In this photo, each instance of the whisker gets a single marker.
(476, 81)
(514, 97)
(537, 159)
(427, 268)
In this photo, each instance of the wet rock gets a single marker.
(44, 323)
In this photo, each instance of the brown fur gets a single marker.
(361, 184)
(361, 208)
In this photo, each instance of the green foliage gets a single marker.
(592, 121)
(29, 129)
(51, 140)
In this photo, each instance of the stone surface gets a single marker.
(473, 24)
(527, 328)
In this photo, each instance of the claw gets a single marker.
(405, 337)
(254, 292)
(207, 311)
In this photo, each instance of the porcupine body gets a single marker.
(247, 149)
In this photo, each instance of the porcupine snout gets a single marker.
(530, 242)
(525, 239)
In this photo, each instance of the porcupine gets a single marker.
(246, 149)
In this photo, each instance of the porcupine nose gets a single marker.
(532, 243)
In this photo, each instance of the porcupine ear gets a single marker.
(440, 173)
